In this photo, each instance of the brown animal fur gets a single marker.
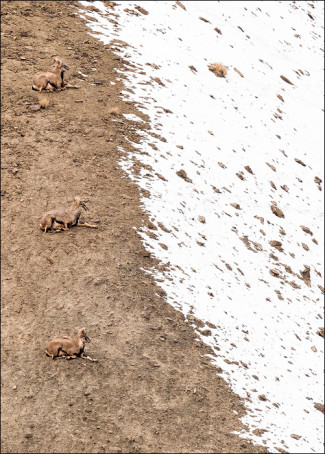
(218, 69)
(62, 219)
(53, 79)
(65, 347)
(50, 80)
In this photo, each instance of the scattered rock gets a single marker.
(206, 332)
(276, 244)
(282, 231)
(285, 188)
(193, 69)
(306, 230)
(286, 80)
(151, 226)
(238, 72)
(262, 397)
(249, 170)
(305, 246)
(260, 219)
(218, 30)
(296, 437)
(142, 10)
(320, 332)
(321, 288)
(319, 407)
(181, 5)
(222, 165)
(34, 107)
(240, 175)
(182, 174)
(275, 273)
(277, 211)
(300, 162)
(271, 166)
(317, 180)
(201, 219)
(314, 349)
(98, 81)
(163, 246)
(294, 285)
(273, 185)
(280, 97)
(236, 205)
(161, 177)
(204, 20)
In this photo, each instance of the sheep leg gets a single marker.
(91, 226)
(88, 357)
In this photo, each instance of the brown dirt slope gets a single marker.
(152, 390)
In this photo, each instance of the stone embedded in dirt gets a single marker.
(306, 230)
(300, 162)
(98, 81)
(275, 273)
(201, 219)
(286, 80)
(277, 211)
(182, 174)
(15, 171)
(249, 170)
(206, 332)
(296, 437)
(319, 407)
(146, 254)
(213, 326)
(236, 205)
(34, 107)
(151, 226)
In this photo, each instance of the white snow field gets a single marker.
(247, 142)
